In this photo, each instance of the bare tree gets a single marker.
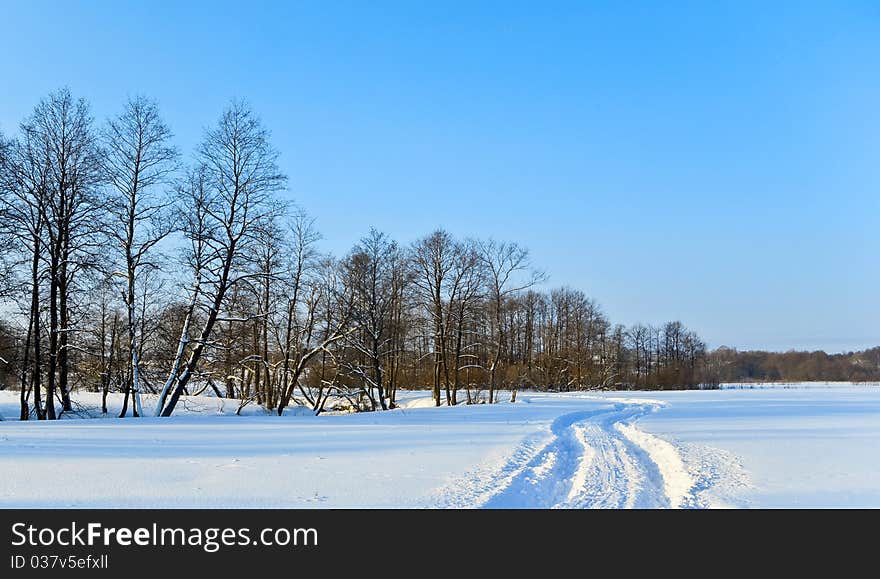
(639, 343)
(503, 262)
(62, 152)
(138, 162)
(296, 326)
(196, 228)
(400, 320)
(318, 332)
(240, 177)
(107, 338)
(22, 185)
(433, 260)
(373, 274)
(447, 277)
(25, 182)
(464, 299)
(267, 258)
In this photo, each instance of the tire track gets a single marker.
(594, 462)
(545, 481)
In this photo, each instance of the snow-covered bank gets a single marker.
(740, 447)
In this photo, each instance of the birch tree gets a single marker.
(138, 163)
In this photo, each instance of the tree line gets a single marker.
(127, 269)
(730, 365)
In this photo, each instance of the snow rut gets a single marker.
(598, 459)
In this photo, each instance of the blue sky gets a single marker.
(713, 162)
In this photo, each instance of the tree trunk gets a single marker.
(25, 412)
(105, 389)
(267, 376)
(436, 391)
(227, 363)
(53, 336)
(125, 400)
(285, 367)
(438, 338)
(105, 377)
(33, 332)
(181, 348)
(134, 366)
(378, 374)
(258, 371)
(196, 354)
(457, 357)
(36, 373)
(494, 367)
(64, 336)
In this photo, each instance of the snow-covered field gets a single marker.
(784, 446)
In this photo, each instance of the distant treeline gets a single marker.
(729, 365)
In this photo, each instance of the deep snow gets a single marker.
(815, 446)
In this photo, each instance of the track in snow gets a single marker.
(589, 463)
(599, 459)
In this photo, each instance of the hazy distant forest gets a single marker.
(129, 268)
